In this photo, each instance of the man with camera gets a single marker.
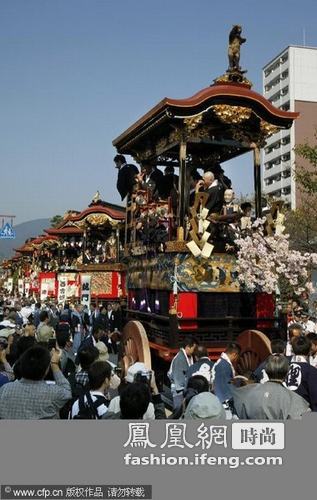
(139, 396)
(32, 397)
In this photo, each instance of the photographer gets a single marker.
(32, 397)
(138, 388)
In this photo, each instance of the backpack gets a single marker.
(88, 410)
(78, 391)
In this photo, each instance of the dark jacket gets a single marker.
(215, 199)
(126, 179)
(87, 342)
(118, 319)
(202, 367)
(169, 185)
(302, 378)
(222, 381)
(156, 181)
(178, 371)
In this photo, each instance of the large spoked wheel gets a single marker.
(135, 346)
(255, 348)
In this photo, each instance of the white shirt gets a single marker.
(101, 410)
(26, 312)
(310, 326)
(289, 349)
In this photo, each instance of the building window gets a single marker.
(284, 91)
(277, 193)
(286, 174)
(283, 58)
(286, 106)
(284, 74)
(276, 161)
(286, 140)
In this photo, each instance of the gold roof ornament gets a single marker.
(232, 114)
(96, 197)
(268, 129)
(234, 73)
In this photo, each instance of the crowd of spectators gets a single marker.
(61, 361)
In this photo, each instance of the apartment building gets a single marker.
(289, 83)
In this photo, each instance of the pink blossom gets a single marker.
(263, 260)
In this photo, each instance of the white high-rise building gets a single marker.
(289, 83)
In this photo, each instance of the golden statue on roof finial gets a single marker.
(235, 41)
(234, 73)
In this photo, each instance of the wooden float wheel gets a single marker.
(135, 346)
(255, 348)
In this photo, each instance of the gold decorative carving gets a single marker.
(101, 283)
(268, 129)
(204, 132)
(232, 114)
(176, 246)
(143, 155)
(100, 220)
(193, 122)
(102, 267)
(233, 78)
(159, 147)
(162, 143)
(80, 224)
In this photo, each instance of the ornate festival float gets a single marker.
(90, 243)
(79, 259)
(32, 264)
(182, 232)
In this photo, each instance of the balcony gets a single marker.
(277, 169)
(275, 186)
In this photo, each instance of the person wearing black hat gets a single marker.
(126, 176)
(222, 179)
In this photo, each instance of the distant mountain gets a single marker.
(23, 231)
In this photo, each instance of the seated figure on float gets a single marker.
(110, 254)
(211, 186)
(227, 229)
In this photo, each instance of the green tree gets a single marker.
(301, 224)
(307, 178)
(57, 219)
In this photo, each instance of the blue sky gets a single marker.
(76, 73)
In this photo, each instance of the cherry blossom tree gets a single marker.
(263, 261)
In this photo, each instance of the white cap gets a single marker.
(134, 369)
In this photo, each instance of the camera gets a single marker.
(52, 344)
(143, 377)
